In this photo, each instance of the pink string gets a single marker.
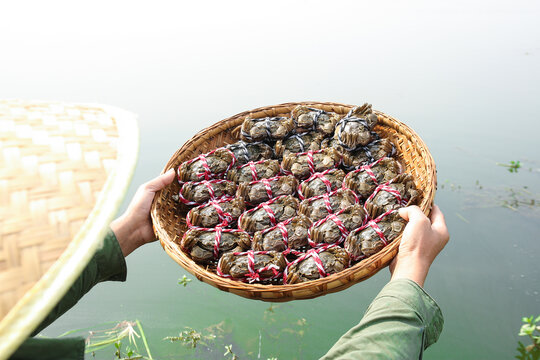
(225, 217)
(385, 187)
(207, 174)
(332, 217)
(374, 225)
(266, 208)
(310, 253)
(253, 274)
(208, 184)
(322, 177)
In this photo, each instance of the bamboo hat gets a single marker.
(64, 170)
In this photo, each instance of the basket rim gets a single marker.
(258, 291)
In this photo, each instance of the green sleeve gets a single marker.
(400, 323)
(50, 349)
(107, 264)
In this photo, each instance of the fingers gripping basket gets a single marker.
(168, 215)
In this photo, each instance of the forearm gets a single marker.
(412, 268)
(127, 235)
(400, 323)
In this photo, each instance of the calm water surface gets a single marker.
(464, 75)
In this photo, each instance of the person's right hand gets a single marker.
(422, 240)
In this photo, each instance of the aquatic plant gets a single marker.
(530, 328)
(512, 167)
(520, 199)
(228, 351)
(184, 281)
(191, 338)
(112, 336)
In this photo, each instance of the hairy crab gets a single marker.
(206, 245)
(214, 164)
(253, 171)
(321, 183)
(318, 207)
(373, 151)
(289, 234)
(268, 213)
(216, 213)
(393, 194)
(310, 119)
(303, 165)
(268, 128)
(246, 152)
(197, 193)
(374, 235)
(316, 264)
(252, 266)
(334, 228)
(364, 180)
(354, 129)
(298, 143)
(256, 192)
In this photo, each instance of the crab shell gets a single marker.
(327, 231)
(272, 238)
(263, 169)
(381, 200)
(259, 191)
(366, 112)
(310, 119)
(246, 152)
(199, 243)
(298, 164)
(334, 259)
(374, 151)
(354, 129)
(219, 161)
(314, 186)
(236, 265)
(207, 215)
(298, 143)
(363, 184)
(364, 241)
(256, 219)
(269, 128)
(316, 209)
(201, 192)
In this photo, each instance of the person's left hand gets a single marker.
(134, 227)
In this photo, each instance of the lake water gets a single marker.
(464, 74)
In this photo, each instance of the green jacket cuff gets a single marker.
(400, 323)
(421, 302)
(110, 262)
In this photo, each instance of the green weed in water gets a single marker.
(191, 338)
(113, 336)
(228, 351)
(515, 198)
(184, 281)
(512, 167)
(530, 328)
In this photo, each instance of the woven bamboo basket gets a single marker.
(169, 216)
(64, 171)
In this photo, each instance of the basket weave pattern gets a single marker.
(50, 179)
(169, 216)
